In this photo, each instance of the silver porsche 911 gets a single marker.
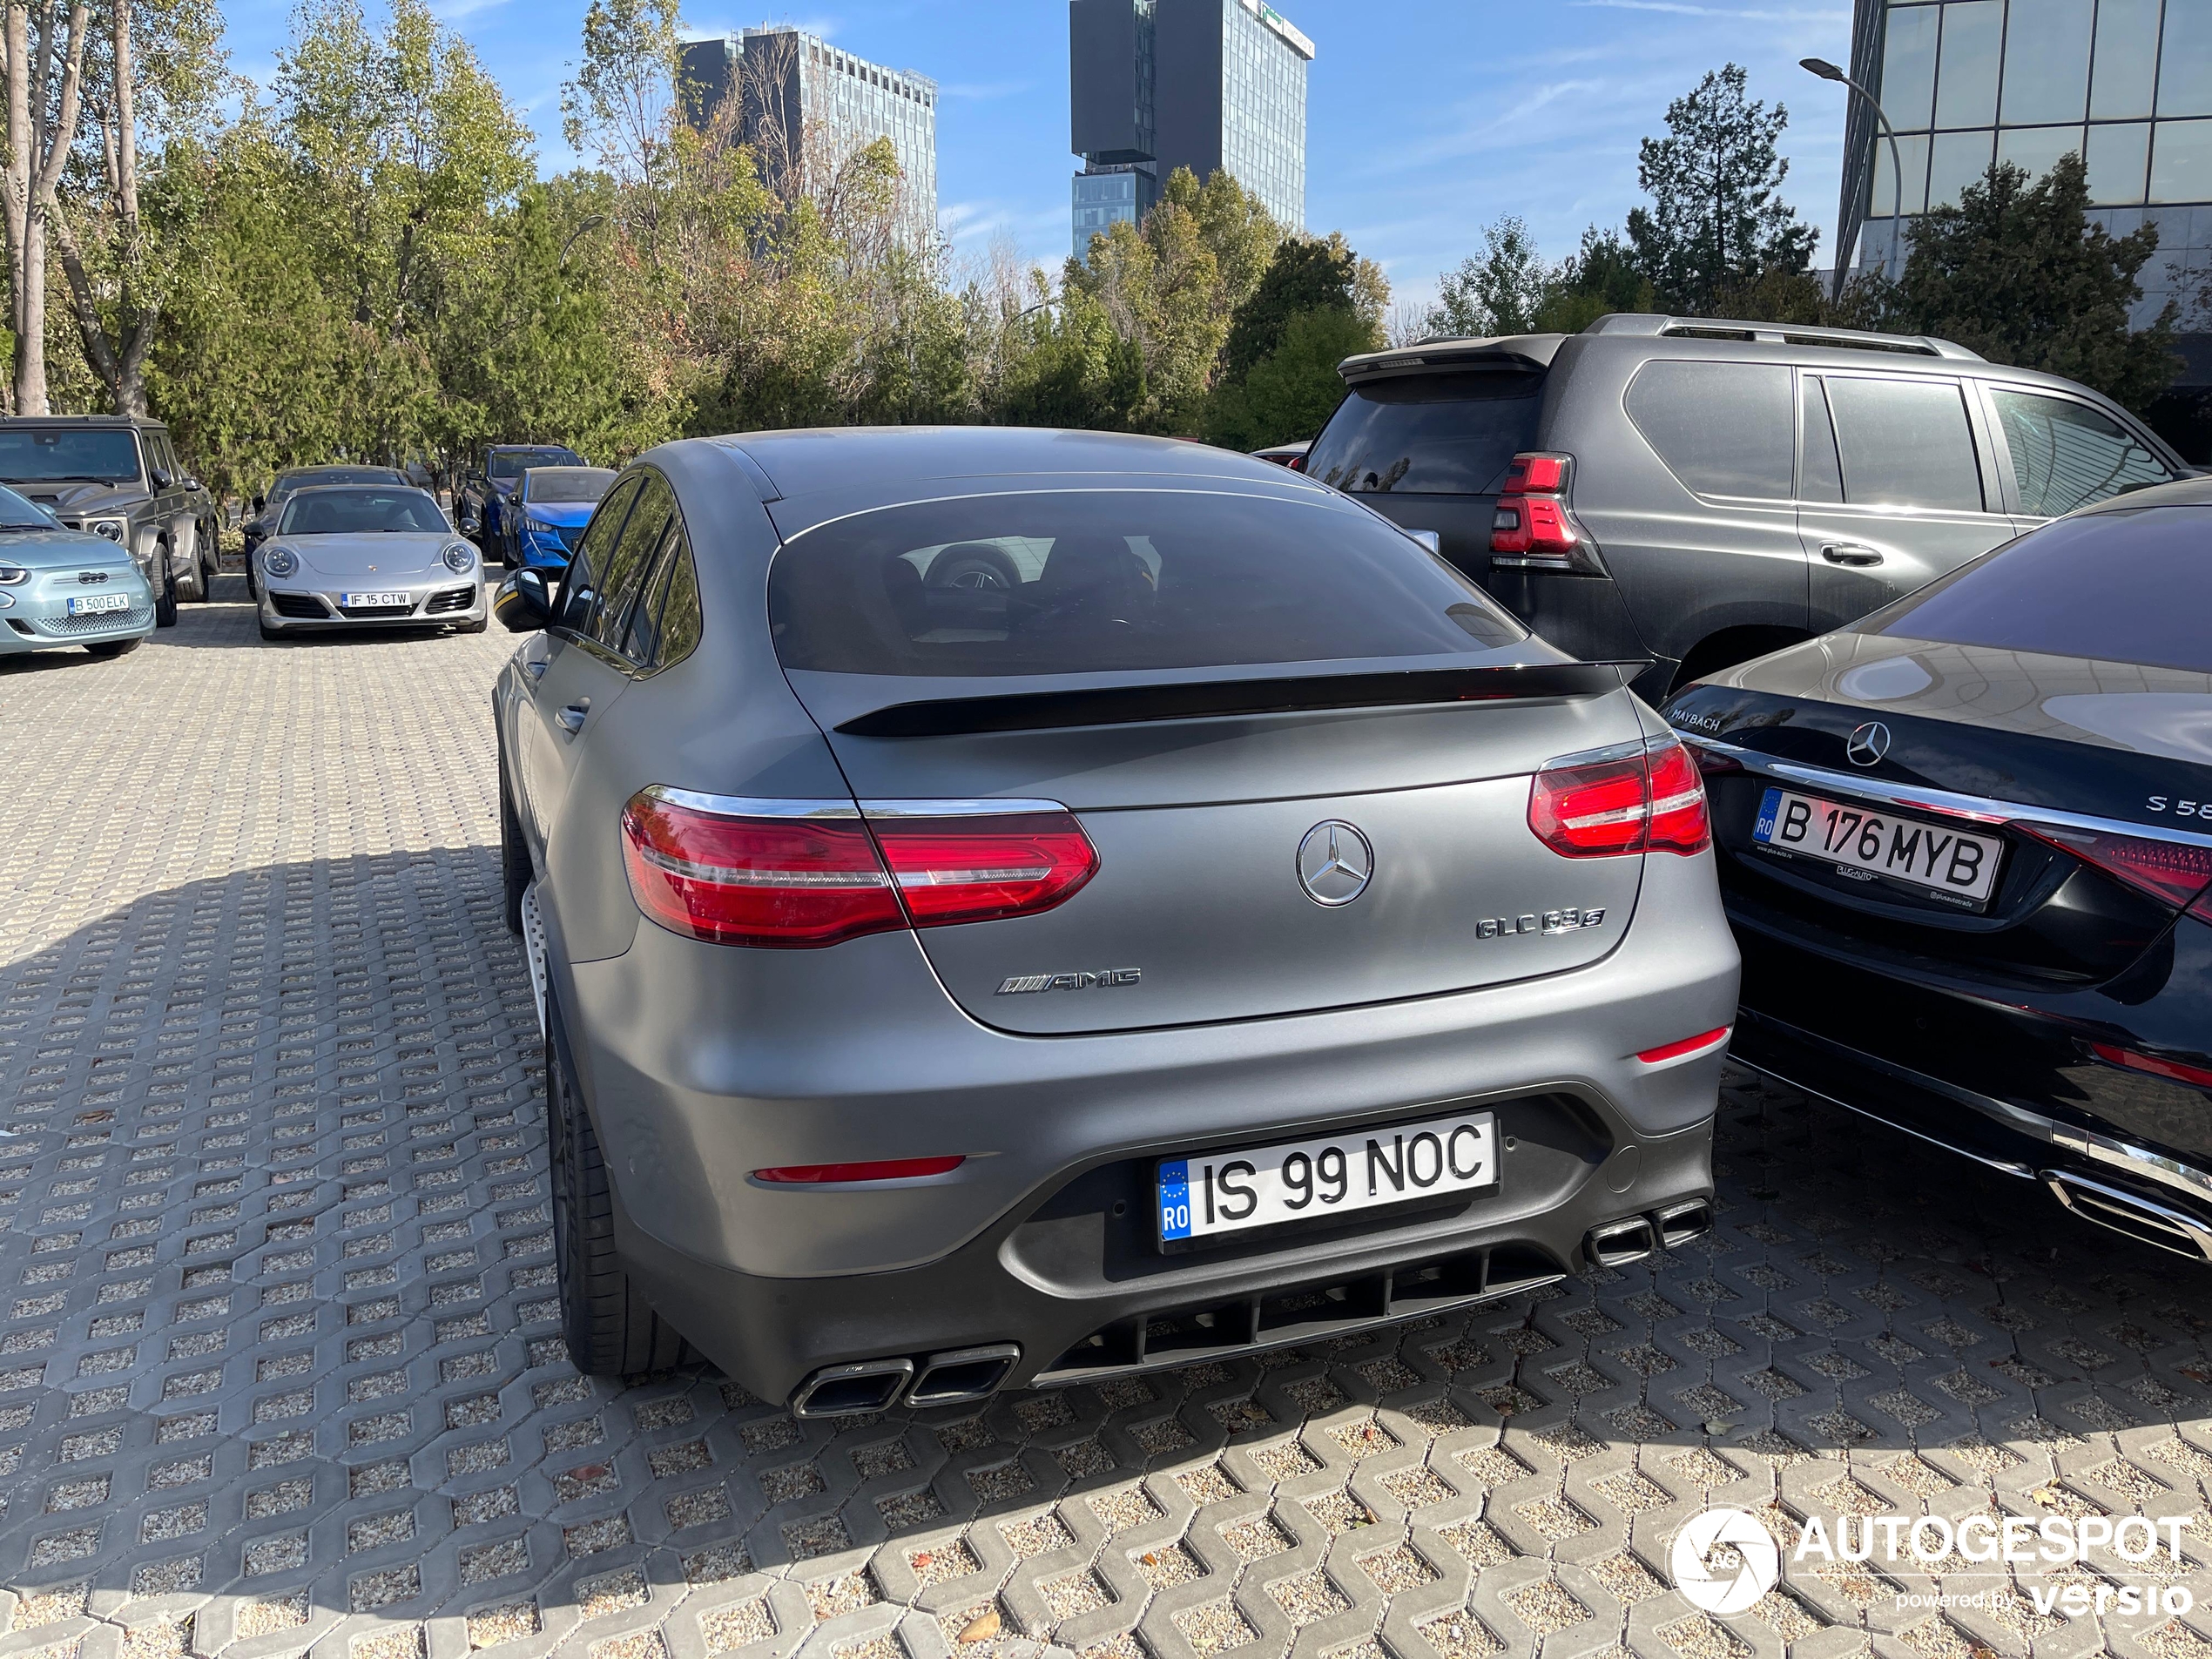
(344, 555)
(1015, 907)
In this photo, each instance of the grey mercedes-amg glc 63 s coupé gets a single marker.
(1012, 907)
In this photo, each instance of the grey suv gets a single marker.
(118, 476)
(1696, 492)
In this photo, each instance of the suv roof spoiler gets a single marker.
(1778, 334)
(1497, 352)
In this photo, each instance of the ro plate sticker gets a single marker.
(1175, 1199)
(1770, 804)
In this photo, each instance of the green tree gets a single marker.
(1716, 220)
(1291, 392)
(1599, 277)
(2018, 271)
(1499, 292)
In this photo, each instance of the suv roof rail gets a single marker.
(1651, 323)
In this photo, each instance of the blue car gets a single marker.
(61, 587)
(548, 512)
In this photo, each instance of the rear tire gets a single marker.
(515, 872)
(108, 648)
(612, 1330)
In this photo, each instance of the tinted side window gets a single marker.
(623, 578)
(1722, 428)
(579, 587)
(663, 631)
(641, 637)
(1905, 444)
(2067, 454)
(1429, 435)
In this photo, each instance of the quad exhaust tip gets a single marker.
(1618, 1243)
(1679, 1223)
(2143, 1219)
(958, 1377)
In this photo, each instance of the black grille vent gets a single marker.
(374, 613)
(303, 606)
(451, 599)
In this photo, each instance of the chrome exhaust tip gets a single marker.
(1618, 1243)
(963, 1376)
(845, 1391)
(2143, 1219)
(1679, 1223)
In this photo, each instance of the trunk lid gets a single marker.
(2062, 739)
(1199, 824)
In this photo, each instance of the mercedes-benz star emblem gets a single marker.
(1334, 863)
(1867, 743)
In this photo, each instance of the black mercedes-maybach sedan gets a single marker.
(1966, 848)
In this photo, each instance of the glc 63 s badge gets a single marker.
(1551, 921)
(1105, 978)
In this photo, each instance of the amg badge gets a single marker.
(1105, 977)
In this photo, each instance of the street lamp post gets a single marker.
(1828, 71)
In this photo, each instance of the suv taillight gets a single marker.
(1532, 526)
(799, 879)
(1636, 797)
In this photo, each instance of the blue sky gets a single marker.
(1425, 118)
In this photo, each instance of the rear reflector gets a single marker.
(1687, 1045)
(2172, 1070)
(809, 874)
(882, 1169)
(1636, 797)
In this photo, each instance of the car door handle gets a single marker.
(1849, 553)
(572, 718)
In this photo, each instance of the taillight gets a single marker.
(805, 874)
(1532, 525)
(2166, 870)
(1626, 800)
(1296, 463)
(978, 866)
(761, 879)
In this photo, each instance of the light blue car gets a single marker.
(548, 512)
(63, 587)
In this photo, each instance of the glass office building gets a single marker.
(1206, 84)
(802, 104)
(2125, 83)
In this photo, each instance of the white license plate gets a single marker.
(348, 600)
(1226, 1192)
(1861, 841)
(94, 604)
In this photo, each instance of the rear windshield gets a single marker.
(1077, 582)
(32, 454)
(2121, 586)
(566, 483)
(513, 464)
(351, 512)
(1429, 435)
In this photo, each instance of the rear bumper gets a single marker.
(699, 1070)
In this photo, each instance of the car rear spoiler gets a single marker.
(1127, 704)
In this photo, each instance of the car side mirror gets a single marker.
(161, 478)
(191, 483)
(524, 604)
(1430, 539)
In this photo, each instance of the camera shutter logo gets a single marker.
(1762, 1562)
